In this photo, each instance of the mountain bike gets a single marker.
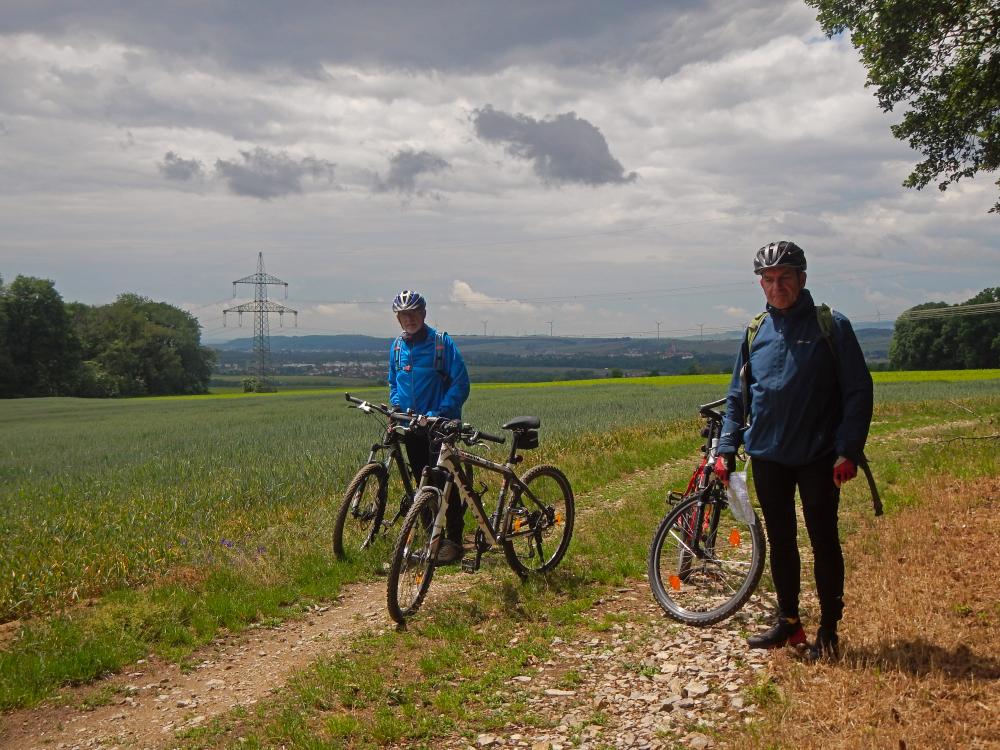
(360, 519)
(532, 521)
(707, 554)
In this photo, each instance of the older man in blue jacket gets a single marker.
(427, 374)
(809, 407)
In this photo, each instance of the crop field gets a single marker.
(220, 507)
(99, 495)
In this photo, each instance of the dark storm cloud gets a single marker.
(174, 167)
(473, 35)
(405, 167)
(563, 149)
(271, 174)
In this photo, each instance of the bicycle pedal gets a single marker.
(470, 566)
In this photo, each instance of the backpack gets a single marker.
(440, 366)
(824, 316)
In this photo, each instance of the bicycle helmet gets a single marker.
(408, 300)
(779, 254)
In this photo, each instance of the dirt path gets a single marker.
(152, 700)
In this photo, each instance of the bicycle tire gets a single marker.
(412, 565)
(361, 511)
(721, 573)
(523, 546)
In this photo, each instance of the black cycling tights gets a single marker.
(420, 454)
(775, 484)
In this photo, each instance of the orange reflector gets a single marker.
(675, 583)
(517, 524)
(558, 517)
(734, 538)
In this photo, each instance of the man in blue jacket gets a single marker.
(809, 407)
(427, 374)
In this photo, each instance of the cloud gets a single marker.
(405, 167)
(463, 294)
(564, 149)
(271, 174)
(737, 313)
(173, 167)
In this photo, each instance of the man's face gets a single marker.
(782, 286)
(411, 321)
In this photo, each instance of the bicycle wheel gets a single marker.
(359, 518)
(540, 528)
(412, 564)
(704, 563)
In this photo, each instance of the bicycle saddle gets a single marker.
(523, 423)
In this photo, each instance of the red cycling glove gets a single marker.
(844, 470)
(721, 469)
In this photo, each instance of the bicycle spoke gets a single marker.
(699, 581)
(542, 522)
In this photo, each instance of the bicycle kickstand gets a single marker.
(472, 565)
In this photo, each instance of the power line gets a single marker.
(983, 308)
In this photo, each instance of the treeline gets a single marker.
(131, 347)
(948, 341)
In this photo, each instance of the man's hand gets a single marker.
(844, 470)
(725, 463)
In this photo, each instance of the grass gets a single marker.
(176, 518)
(500, 630)
(921, 636)
(928, 680)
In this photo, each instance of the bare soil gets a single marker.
(144, 706)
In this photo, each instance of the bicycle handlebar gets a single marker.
(491, 438)
(708, 410)
(445, 427)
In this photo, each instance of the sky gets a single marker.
(569, 167)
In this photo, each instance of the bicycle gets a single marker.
(707, 554)
(533, 528)
(359, 522)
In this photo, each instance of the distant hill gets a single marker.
(874, 339)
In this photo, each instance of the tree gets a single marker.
(43, 351)
(135, 346)
(942, 59)
(949, 341)
(6, 363)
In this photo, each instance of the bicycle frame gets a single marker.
(705, 561)
(452, 464)
(391, 445)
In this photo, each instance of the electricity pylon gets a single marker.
(261, 308)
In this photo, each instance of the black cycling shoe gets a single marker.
(779, 634)
(826, 645)
(449, 552)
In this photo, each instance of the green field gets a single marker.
(98, 495)
(223, 504)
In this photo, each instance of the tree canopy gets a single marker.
(948, 342)
(942, 59)
(131, 347)
(39, 352)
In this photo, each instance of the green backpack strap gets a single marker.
(752, 327)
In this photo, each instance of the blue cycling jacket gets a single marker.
(804, 401)
(415, 384)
